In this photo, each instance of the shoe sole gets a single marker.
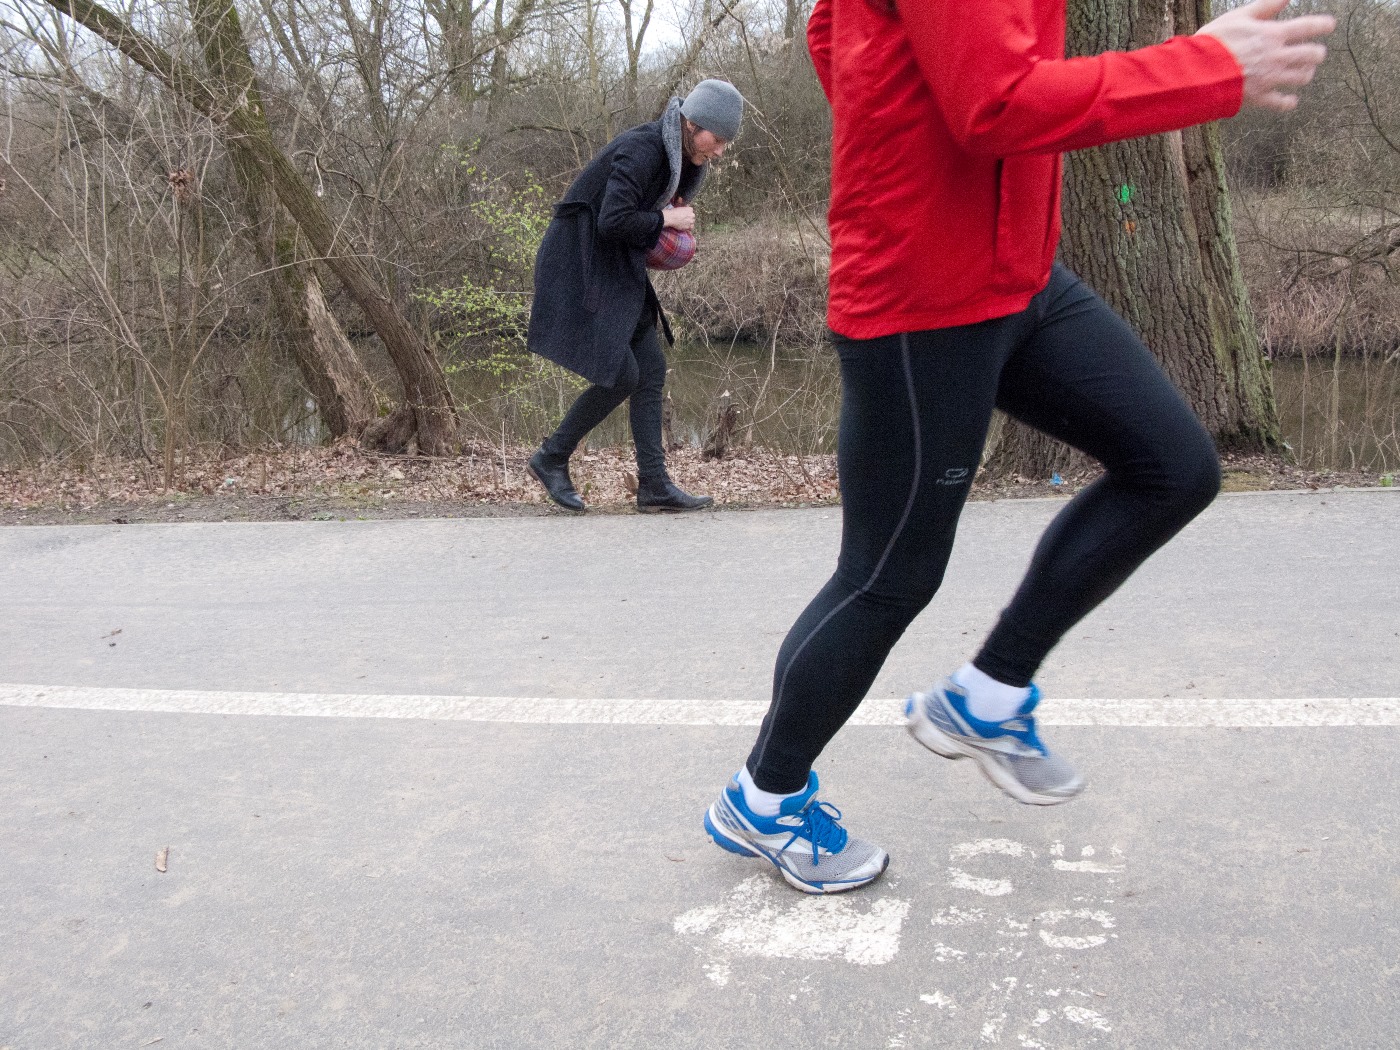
(725, 841)
(563, 506)
(940, 743)
(670, 510)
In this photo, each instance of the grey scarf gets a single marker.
(671, 136)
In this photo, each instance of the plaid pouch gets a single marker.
(673, 250)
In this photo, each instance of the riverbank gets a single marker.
(342, 482)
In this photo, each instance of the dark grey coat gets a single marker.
(591, 282)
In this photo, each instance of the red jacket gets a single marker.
(948, 123)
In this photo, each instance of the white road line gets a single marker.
(1177, 712)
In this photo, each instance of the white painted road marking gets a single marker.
(1040, 946)
(1173, 713)
(763, 918)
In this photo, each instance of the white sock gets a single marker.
(988, 699)
(764, 803)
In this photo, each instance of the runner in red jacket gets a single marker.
(979, 97)
(945, 303)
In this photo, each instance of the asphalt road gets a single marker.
(411, 882)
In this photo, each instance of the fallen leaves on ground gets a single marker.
(344, 481)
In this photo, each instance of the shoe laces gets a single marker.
(1022, 727)
(820, 827)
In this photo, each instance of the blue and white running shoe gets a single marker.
(804, 841)
(1010, 753)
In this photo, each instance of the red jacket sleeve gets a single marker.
(1000, 97)
(819, 42)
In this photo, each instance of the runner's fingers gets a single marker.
(1307, 27)
(1277, 100)
(1293, 76)
(1265, 8)
(1297, 65)
(1301, 56)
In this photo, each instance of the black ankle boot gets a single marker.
(553, 473)
(661, 493)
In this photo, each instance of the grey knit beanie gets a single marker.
(716, 106)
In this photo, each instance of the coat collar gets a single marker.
(671, 137)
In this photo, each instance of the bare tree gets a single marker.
(337, 379)
(427, 412)
(632, 40)
(1147, 224)
(506, 30)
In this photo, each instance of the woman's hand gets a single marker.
(1273, 54)
(682, 218)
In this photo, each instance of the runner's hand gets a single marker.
(682, 218)
(1273, 54)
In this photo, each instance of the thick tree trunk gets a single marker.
(337, 379)
(1147, 225)
(456, 21)
(792, 19)
(633, 42)
(427, 412)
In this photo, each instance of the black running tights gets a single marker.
(914, 415)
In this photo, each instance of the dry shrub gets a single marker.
(1325, 293)
(1319, 276)
(750, 320)
(747, 285)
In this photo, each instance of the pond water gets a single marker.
(1341, 414)
(788, 399)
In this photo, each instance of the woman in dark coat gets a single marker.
(595, 311)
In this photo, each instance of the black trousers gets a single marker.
(643, 383)
(914, 415)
